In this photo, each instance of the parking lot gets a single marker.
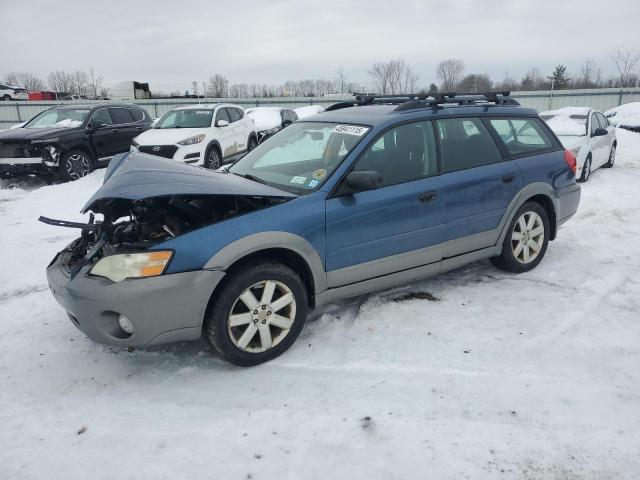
(529, 376)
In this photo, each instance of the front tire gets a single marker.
(257, 314)
(213, 160)
(612, 157)
(252, 143)
(526, 240)
(6, 98)
(586, 170)
(74, 164)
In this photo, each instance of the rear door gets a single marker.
(123, 129)
(391, 228)
(607, 140)
(478, 183)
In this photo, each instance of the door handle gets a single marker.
(507, 178)
(427, 196)
(115, 130)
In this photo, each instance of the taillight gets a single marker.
(570, 158)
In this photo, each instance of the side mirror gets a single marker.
(600, 132)
(222, 123)
(363, 180)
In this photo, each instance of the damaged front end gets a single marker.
(145, 201)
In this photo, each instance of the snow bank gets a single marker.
(472, 374)
(627, 115)
(308, 110)
(265, 118)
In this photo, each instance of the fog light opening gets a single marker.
(125, 324)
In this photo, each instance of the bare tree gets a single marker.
(449, 71)
(381, 72)
(410, 80)
(60, 81)
(24, 79)
(475, 83)
(341, 78)
(532, 80)
(590, 74)
(625, 60)
(95, 83)
(218, 86)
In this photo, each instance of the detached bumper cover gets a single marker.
(162, 309)
(21, 161)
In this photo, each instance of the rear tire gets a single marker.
(213, 160)
(74, 164)
(612, 158)
(526, 240)
(586, 170)
(257, 314)
(6, 98)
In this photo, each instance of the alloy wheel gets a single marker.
(262, 316)
(213, 159)
(527, 237)
(587, 170)
(77, 166)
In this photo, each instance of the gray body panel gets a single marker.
(155, 306)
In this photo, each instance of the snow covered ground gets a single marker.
(474, 374)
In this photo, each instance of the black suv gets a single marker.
(71, 140)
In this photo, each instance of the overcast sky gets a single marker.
(170, 43)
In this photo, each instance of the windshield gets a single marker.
(567, 125)
(301, 157)
(192, 118)
(64, 117)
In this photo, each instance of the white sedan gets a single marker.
(588, 134)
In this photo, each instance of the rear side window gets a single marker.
(120, 115)
(402, 154)
(466, 143)
(234, 115)
(522, 135)
(138, 115)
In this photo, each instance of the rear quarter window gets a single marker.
(138, 115)
(522, 136)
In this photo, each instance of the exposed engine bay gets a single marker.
(134, 225)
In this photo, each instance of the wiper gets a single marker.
(248, 176)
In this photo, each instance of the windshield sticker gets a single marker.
(350, 130)
(319, 174)
(313, 183)
(299, 180)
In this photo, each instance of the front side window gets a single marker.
(594, 123)
(521, 135)
(234, 115)
(466, 143)
(187, 118)
(101, 117)
(301, 157)
(604, 123)
(222, 115)
(402, 154)
(63, 117)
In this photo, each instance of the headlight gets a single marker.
(132, 265)
(47, 140)
(192, 140)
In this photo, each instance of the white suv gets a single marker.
(11, 92)
(202, 134)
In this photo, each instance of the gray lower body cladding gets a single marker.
(162, 309)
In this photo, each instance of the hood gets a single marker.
(167, 136)
(22, 134)
(572, 141)
(136, 176)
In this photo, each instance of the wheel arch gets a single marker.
(214, 144)
(86, 149)
(545, 202)
(286, 248)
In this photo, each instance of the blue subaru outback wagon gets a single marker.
(367, 195)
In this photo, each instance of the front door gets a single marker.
(123, 129)
(396, 226)
(102, 134)
(225, 135)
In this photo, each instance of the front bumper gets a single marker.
(162, 309)
(21, 161)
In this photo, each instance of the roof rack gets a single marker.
(412, 101)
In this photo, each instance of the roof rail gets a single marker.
(411, 101)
